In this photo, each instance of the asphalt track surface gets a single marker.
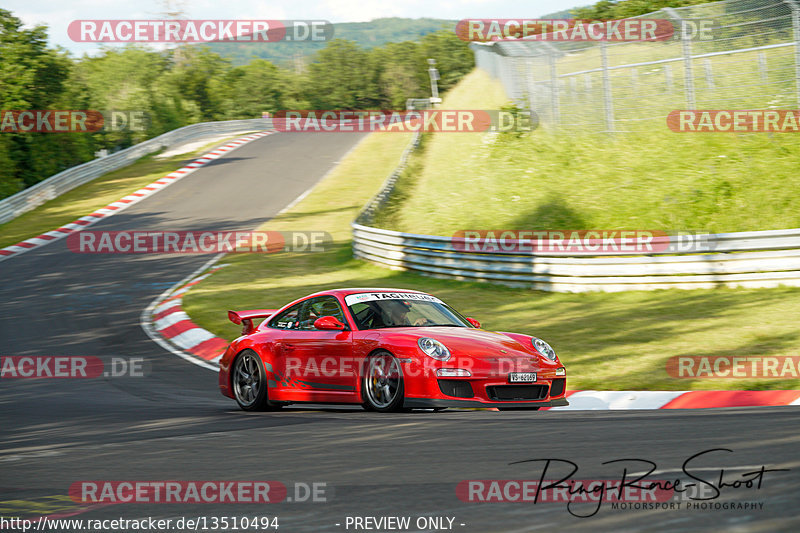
(172, 424)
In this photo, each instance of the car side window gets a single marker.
(319, 307)
(289, 319)
(366, 317)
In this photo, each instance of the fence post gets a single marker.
(762, 66)
(686, 48)
(554, 88)
(668, 77)
(709, 74)
(608, 103)
(796, 35)
(530, 84)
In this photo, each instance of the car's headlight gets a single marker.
(544, 349)
(434, 348)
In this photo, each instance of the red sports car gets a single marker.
(386, 349)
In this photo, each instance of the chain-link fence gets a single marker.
(735, 54)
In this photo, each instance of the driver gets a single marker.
(398, 313)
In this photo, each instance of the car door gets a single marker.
(286, 323)
(321, 360)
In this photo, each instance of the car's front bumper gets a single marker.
(487, 386)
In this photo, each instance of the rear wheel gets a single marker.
(382, 385)
(249, 382)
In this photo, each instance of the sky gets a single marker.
(57, 14)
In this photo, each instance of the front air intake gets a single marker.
(509, 393)
(557, 388)
(456, 388)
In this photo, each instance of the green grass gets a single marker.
(95, 195)
(659, 180)
(611, 341)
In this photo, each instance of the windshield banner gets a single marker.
(351, 299)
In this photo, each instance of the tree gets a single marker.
(31, 77)
(341, 77)
(249, 90)
(192, 74)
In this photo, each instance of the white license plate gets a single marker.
(522, 377)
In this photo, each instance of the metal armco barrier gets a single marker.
(747, 259)
(744, 259)
(64, 181)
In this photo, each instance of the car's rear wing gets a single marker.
(245, 318)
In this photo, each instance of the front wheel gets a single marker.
(249, 383)
(382, 385)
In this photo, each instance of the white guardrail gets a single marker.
(36, 195)
(745, 259)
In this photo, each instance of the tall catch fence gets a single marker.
(736, 54)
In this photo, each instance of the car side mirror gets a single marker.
(328, 322)
(474, 322)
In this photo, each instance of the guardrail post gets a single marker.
(796, 36)
(686, 48)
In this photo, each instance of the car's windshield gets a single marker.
(394, 310)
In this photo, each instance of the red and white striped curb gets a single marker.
(171, 323)
(617, 400)
(127, 201)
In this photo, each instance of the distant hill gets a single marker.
(564, 14)
(366, 34)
